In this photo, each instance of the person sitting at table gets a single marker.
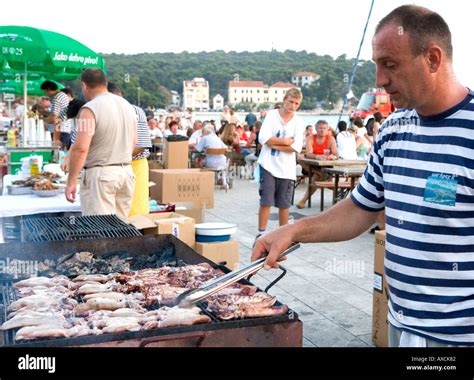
(322, 147)
(308, 133)
(173, 129)
(211, 141)
(346, 142)
(251, 158)
(243, 141)
(364, 148)
(155, 131)
(229, 136)
(196, 135)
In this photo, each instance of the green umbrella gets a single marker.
(25, 49)
(43, 51)
(33, 87)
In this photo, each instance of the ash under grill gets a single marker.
(75, 228)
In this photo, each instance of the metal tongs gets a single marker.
(193, 296)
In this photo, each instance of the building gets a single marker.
(196, 94)
(304, 78)
(277, 91)
(175, 99)
(256, 92)
(218, 102)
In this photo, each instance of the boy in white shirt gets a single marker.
(281, 136)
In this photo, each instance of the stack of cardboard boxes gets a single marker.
(193, 188)
(192, 191)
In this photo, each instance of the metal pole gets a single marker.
(25, 106)
(356, 62)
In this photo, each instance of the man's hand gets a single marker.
(71, 193)
(65, 165)
(273, 244)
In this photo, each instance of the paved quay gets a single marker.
(329, 285)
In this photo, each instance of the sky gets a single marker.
(332, 27)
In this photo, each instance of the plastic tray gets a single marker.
(46, 193)
(19, 190)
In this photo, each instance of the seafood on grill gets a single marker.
(94, 304)
(90, 288)
(44, 281)
(92, 278)
(239, 306)
(37, 301)
(41, 331)
(174, 316)
(33, 320)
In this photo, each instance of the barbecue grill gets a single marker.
(75, 228)
(274, 331)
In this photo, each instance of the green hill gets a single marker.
(158, 73)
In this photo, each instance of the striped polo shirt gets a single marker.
(59, 104)
(143, 134)
(422, 171)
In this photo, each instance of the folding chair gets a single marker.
(220, 173)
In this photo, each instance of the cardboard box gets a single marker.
(167, 223)
(183, 185)
(187, 209)
(175, 154)
(154, 164)
(380, 294)
(225, 253)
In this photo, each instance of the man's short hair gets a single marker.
(341, 126)
(319, 122)
(294, 93)
(423, 26)
(113, 88)
(68, 91)
(49, 85)
(94, 78)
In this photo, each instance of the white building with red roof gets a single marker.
(304, 78)
(196, 94)
(256, 92)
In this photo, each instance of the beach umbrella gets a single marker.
(25, 49)
(33, 87)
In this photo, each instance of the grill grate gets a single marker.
(8, 296)
(75, 228)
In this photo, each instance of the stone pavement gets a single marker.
(329, 285)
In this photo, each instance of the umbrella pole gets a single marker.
(25, 103)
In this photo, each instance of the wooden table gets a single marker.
(316, 164)
(347, 172)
